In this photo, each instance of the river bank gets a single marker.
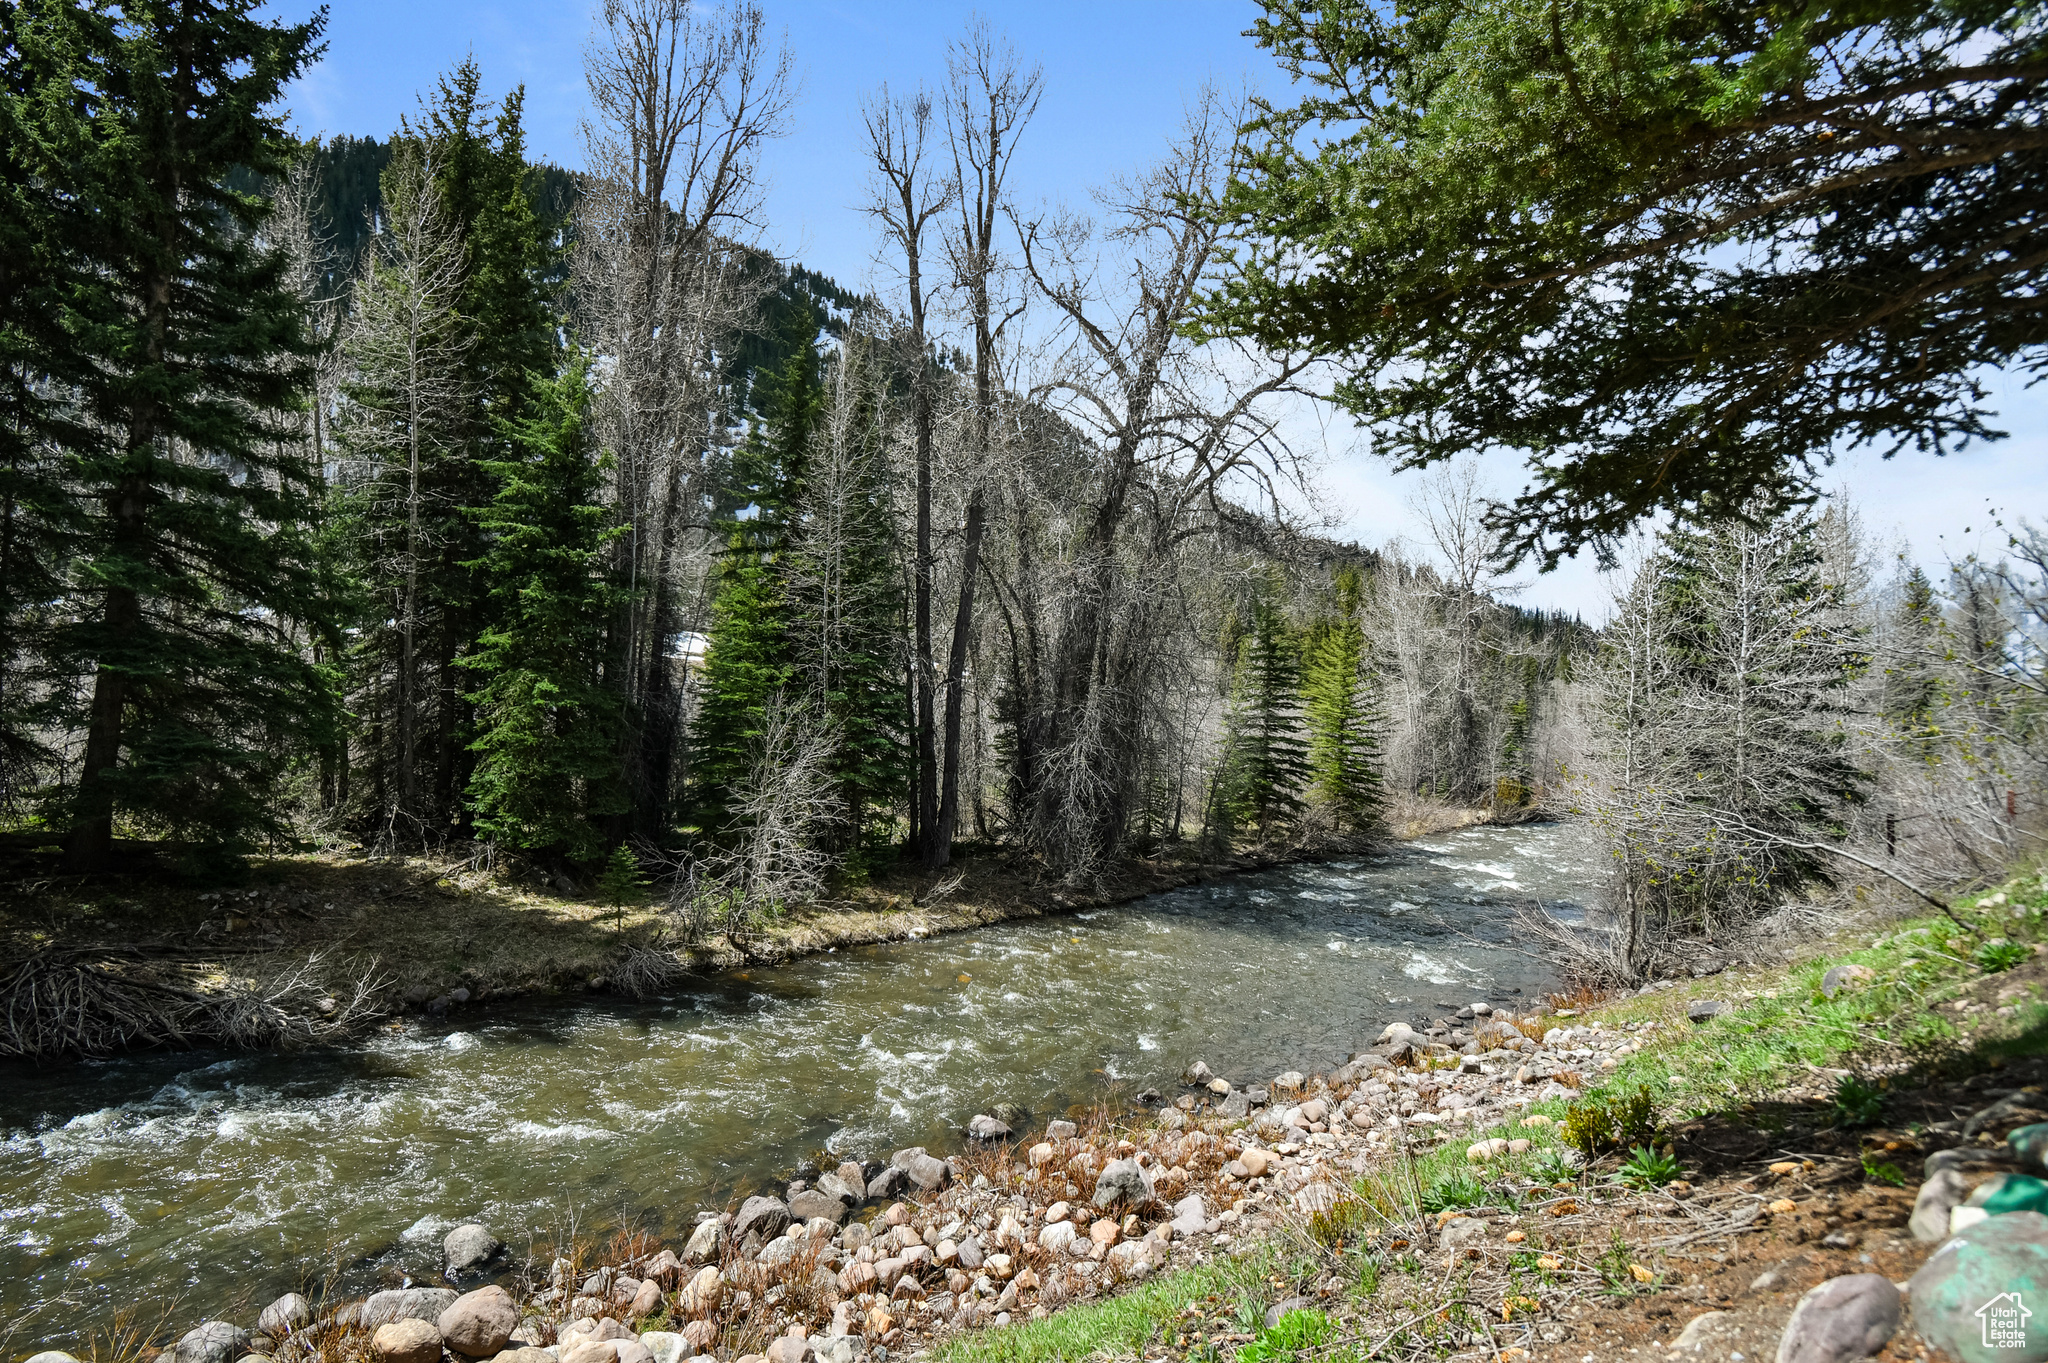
(1428, 1193)
(315, 948)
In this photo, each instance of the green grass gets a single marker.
(1781, 1023)
(1118, 1325)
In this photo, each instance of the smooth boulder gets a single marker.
(1843, 1319)
(288, 1313)
(406, 1341)
(987, 1128)
(667, 1346)
(469, 1248)
(1937, 1197)
(406, 1303)
(1965, 1293)
(848, 1191)
(479, 1324)
(213, 1341)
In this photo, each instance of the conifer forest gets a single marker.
(406, 493)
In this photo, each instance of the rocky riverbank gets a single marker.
(313, 948)
(1447, 1192)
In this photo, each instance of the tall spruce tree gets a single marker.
(48, 103)
(1269, 759)
(547, 770)
(749, 657)
(195, 561)
(1337, 703)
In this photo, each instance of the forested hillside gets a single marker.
(453, 498)
(398, 490)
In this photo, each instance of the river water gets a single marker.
(214, 1178)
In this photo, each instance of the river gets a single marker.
(215, 1178)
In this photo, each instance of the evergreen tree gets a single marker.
(1913, 690)
(195, 562)
(1343, 724)
(847, 600)
(47, 108)
(749, 657)
(1268, 757)
(547, 767)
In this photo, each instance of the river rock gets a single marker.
(1057, 1236)
(1938, 1196)
(288, 1313)
(213, 1341)
(2010, 1193)
(1703, 1330)
(524, 1353)
(970, 1254)
(1992, 1267)
(587, 1350)
(1238, 1104)
(406, 1341)
(1198, 1075)
(928, 1172)
(406, 1303)
(1837, 979)
(816, 1203)
(1462, 1233)
(1059, 1129)
(1124, 1182)
(1190, 1215)
(1704, 1011)
(837, 1348)
(2028, 1146)
(891, 1182)
(703, 1243)
(51, 1356)
(779, 1251)
(667, 1346)
(837, 1186)
(987, 1128)
(1842, 1319)
(479, 1324)
(631, 1351)
(701, 1294)
(469, 1248)
(793, 1347)
(1293, 1081)
(762, 1217)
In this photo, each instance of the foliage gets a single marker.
(1613, 236)
(1268, 761)
(1999, 955)
(549, 730)
(621, 884)
(1337, 705)
(1603, 1121)
(1883, 1171)
(192, 572)
(1455, 1189)
(1857, 1102)
(1289, 1337)
(1647, 1167)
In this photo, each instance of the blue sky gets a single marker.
(1117, 73)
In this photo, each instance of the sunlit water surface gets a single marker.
(215, 1178)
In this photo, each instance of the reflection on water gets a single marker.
(215, 1178)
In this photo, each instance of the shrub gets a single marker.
(1998, 954)
(1857, 1103)
(1603, 1121)
(1291, 1334)
(1647, 1168)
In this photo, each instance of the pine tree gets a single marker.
(46, 272)
(1268, 757)
(622, 883)
(547, 769)
(749, 657)
(1343, 724)
(196, 562)
(847, 601)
